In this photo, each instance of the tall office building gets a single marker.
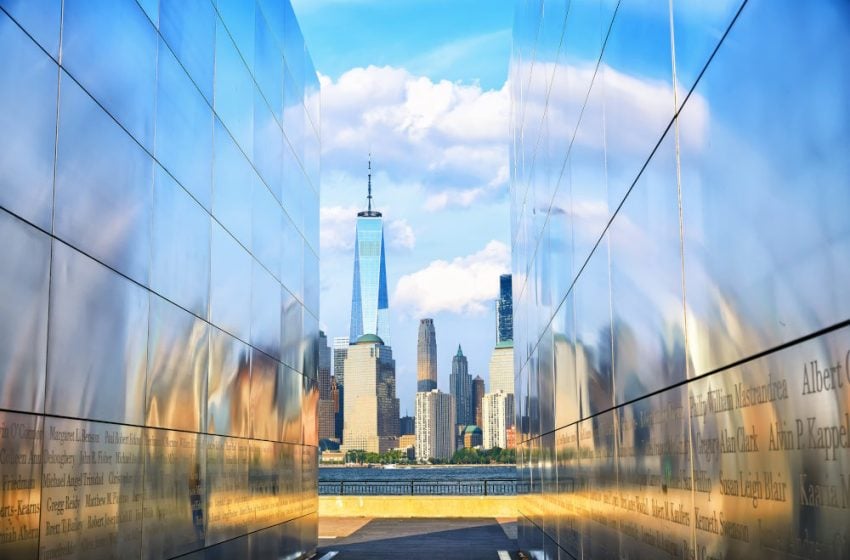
(406, 425)
(502, 368)
(478, 391)
(327, 405)
(435, 425)
(340, 351)
(158, 271)
(684, 285)
(505, 310)
(461, 388)
(371, 396)
(324, 371)
(426, 357)
(369, 298)
(497, 411)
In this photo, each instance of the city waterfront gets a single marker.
(407, 473)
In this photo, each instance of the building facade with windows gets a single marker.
(435, 425)
(478, 391)
(340, 351)
(679, 265)
(502, 368)
(497, 411)
(158, 279)
(371, 397)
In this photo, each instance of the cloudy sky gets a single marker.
(420, 84)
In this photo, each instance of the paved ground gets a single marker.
(415, 539)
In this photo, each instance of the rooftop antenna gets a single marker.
(369, 197)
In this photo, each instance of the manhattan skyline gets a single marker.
(433, 111)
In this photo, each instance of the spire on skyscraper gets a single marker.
(369, 196)
(369, 213)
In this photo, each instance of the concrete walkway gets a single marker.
(415, 539)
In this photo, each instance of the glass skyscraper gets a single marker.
(680, 241)
(159, 191)
(369, 299)
(426, 356)
(505, 310)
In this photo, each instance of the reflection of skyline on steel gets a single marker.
(158, 279)
(676, 251)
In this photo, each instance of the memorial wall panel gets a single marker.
(695, 253)
(152, 284)
(230, 513)
(92, 499)
(771, 446)
(174, 493)
(289, 504)
(21, 462)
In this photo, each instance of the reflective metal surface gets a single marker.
(180, 246)
(110, 49)
(104, 184)
(229, 385)
(290, 399)
(83, 363)
(189, 30)
(23, 318)
(178, 363)
(184, 121)
(265, 311)
(157, 272)
(678, 184)
(28, 96)
(233, 179)
(41, 20)
(230, 284)
(264, 396)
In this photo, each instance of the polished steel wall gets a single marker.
(159, 188)
(680, 190)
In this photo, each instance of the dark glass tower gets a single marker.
(505, 310)
(369, 301)
(461, 388)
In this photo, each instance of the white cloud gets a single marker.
(399, 235)
(449, 137)
(466, 285)
(337, 225)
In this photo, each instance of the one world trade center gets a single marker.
(369, 301)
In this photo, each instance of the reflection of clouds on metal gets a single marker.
(158, 280)
(678, 256)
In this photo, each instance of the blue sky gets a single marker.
(465, 40)
(420, 83)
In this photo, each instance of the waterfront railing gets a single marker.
(489, 487)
